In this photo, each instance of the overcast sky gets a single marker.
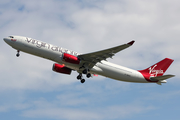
(29, 89)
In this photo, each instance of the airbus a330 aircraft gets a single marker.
(94, 63)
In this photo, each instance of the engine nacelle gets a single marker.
(61, 69)
(70, 58)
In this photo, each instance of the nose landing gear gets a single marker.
(18, 53)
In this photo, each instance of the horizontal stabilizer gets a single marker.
(160, 78)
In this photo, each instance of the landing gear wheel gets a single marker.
(88, 75)
(79, 77)
(83, 80)
(84, 71)
(17, 55)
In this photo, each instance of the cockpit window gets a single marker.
(11, 36)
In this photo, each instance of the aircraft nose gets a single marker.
(7, 40)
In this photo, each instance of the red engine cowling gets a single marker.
(70, 58)
(61, 69)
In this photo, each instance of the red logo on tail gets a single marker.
(154, 72)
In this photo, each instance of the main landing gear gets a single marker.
(18, 53)
(80, 77)
(85, 71)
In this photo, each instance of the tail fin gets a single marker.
(156, 70)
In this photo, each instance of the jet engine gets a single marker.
(70, 58)
(61, 69)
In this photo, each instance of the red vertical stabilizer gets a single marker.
(157, 69)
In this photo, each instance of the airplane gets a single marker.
(90, 64)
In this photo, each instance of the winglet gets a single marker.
(131, 43)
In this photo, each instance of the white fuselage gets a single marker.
(54, 53)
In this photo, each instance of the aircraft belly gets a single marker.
(119, 73)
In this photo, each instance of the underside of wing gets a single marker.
(91, 59)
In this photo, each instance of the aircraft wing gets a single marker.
(91, 59)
